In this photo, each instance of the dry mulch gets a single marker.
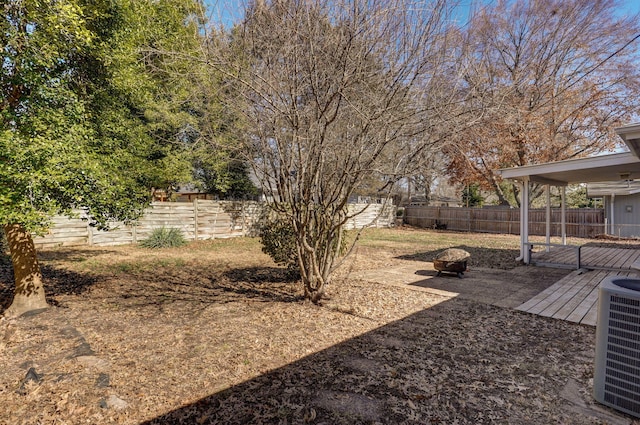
(215, 333)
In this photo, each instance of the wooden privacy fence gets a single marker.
(200, 219)
(583, 222)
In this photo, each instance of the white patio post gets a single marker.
(548, 217)
(563, 206)
(524, 221)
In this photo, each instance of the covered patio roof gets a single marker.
(615, 167)
(604, 168)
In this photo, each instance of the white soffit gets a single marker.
(631, 136)
(614, 167)
(613, 188)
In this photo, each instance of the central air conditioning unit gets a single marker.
(616, 381)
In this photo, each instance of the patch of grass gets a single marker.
(144, 265)
(215, 254)
(226, 244)
(126, 267)
(487, 250)
(432, 239)
(169, 262)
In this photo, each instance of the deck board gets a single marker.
(590, 258)
(575, 305)
(623, 258)
(580, 288)
(587, 311)
(574, 298)
(553, 293)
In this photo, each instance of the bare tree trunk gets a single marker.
(29, 292)
(314, 287)
(319, 246)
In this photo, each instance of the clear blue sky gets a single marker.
(229, 11)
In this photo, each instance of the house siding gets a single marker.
(626, 215)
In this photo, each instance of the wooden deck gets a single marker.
(575, 297)
(591, 257)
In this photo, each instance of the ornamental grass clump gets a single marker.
(164, 238)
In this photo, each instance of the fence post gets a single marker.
(89, 234)
(195, 219)
(244, 221)
(215, 219)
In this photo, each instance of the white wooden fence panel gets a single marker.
(200, 219)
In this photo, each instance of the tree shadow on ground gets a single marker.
(430, 367)
(496, 258)
(265, 283)
(72, 254)
(200, 285)
(266, 275)
(57, 281)
(140, 287)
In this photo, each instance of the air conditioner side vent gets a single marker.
(617, 369)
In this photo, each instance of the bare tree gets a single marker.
(335, 94)
(432, 169)
(552, 78)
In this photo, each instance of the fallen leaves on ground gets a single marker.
(223, 337)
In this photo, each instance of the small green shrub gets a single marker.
(279, 242)
(164, 238)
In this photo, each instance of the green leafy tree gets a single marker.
(576, 197)
(84, 122)
(471, 196)
(219, 165)
(223, 173)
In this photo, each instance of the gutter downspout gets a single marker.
(563, 224)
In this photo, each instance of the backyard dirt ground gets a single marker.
(215, 333)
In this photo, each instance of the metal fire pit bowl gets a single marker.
(451, 260)
(457, 267)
